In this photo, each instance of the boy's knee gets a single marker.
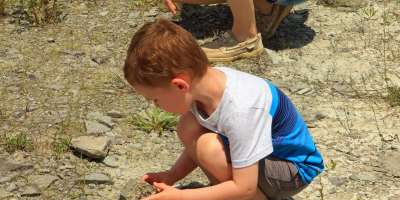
(210, 145)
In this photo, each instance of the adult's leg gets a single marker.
(244, 21)
(263, 6)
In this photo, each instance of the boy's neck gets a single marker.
(208, 91)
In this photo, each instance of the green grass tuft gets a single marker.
(154, 119)
(61, 146)
(21, 142)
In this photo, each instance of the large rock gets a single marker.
(42, 181)
(91, 146)
(31, 191)
(96, 178)
(98, 123)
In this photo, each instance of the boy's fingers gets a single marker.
(171, 6)
(160, 186)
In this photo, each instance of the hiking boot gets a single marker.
(267, 24)
(226, 48)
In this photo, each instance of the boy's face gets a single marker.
(172, 99)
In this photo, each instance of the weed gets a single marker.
(331, 165)
(20, 142)
(61, 146)
(393, 96)
(36, 12)
(346, 123)
(368, 12)
(154, 119)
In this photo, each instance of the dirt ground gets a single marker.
(337, 61)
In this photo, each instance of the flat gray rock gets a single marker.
(12, 187)
(337, 181)
(103, 119)
(115, 114)
(94, 127)
(91, 146)
(112, 161)
(43, 181)
(96, 178)
(31, 191)
(363, 176)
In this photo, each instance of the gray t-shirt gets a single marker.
(243, 117)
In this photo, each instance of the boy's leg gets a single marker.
(189, 131)
(194, 137)
(279, 179)
(219, 167)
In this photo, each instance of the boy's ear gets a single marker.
(181, 82)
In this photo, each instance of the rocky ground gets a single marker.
(62, 90)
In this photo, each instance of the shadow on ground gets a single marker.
(208, 21)
(292, 32)
(205, 21)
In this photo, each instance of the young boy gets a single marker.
(241, 130)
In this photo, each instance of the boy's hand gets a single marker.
(166, 192)
(159, 177)
(171, 6)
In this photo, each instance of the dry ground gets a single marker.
(336, 61)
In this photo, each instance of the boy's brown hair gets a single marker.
(161, 50)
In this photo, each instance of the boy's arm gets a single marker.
(242, 187)
(182, 167)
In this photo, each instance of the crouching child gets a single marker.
(241, 130)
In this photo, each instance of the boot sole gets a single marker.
(237, 57)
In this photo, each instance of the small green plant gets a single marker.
(154, 119)
(20, 142)
(61, 146)
(331, 165)
(368, 12)
(37, 12)
(393, 96)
